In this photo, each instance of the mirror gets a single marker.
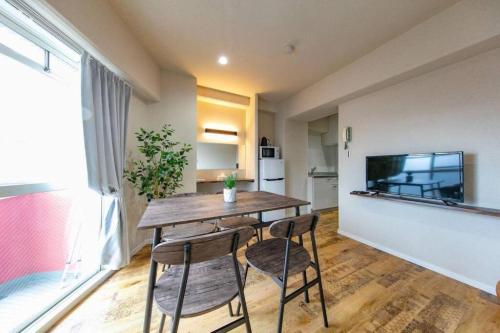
(211, 156)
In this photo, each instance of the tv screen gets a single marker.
(437, 176)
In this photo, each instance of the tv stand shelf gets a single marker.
(431, 203)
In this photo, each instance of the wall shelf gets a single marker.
(203, 181)
(432, 203)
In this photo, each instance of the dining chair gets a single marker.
(187, 230)
(233, 223)
(280, 257)
(239, 221)
(205, 275)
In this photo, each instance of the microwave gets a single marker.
(269, 152)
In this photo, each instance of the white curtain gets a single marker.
(105, 106)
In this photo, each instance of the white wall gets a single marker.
(266, 125)
(467, 28)
(251, 144)
(454, 108)
(323, 158)
(177, 107)
(97, 28)
(292, 138)
(223, 117)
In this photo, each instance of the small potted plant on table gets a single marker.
(230, 189)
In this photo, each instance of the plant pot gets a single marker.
(230, 195)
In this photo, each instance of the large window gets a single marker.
(49, 219)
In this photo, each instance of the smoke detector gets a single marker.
(289, 48)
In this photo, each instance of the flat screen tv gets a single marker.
(438, 176)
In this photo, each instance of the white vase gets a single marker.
(230, 195)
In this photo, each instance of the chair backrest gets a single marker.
(202, 248)
(302, 224)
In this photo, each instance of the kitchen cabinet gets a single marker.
(323, 192)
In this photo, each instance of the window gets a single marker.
(49, 218)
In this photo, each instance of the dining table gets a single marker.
(189, 209)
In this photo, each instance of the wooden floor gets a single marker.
(366, 291)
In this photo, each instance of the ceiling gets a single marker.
(187, 36)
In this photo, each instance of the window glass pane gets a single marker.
(61, 70)
(41, 133)
(48, 240)
(21, 45)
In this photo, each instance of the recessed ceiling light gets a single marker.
(223, 60)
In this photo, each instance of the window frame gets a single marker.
(10, 18)
(20, 17)
(24, 22)
(13, 190)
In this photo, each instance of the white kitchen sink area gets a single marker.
(322, 180)
(322, 190)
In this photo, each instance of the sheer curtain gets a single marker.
(105, 106)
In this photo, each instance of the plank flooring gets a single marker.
(366, 291)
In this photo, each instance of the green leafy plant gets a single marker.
(229, 182)
(159, 172)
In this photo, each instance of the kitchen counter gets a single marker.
(323, 174)
(322, 190)
(204, 180)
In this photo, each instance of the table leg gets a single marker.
(151, 284)
(260, 229)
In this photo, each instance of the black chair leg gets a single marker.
(304, 275)
(240, 284)
(230, 307)
(162, 323)
(174, 326)
(322, 299)
(318, 274)
(244, 306)
(244, 282)
(281, 311)
(306, 292)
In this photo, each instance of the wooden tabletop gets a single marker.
(164, 212)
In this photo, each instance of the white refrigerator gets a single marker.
(272, 179)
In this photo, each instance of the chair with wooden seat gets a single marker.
(180, 231)
(233, 223)
(205, 275)
(281, 257)
(239, 221)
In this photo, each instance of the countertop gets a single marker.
(207, 180)
(323, 175)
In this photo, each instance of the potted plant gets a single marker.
(230, 189)
(158, 174)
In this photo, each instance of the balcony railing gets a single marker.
(48, 246)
